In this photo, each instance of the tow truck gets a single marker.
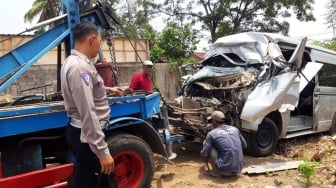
(32, 145)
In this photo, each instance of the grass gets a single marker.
(307, 170)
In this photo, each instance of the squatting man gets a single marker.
(223, 148)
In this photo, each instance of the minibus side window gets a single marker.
(327, 75)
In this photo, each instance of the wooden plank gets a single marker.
(271, 167)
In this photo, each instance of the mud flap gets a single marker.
(20, 160)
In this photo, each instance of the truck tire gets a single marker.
(265, 140)
(133, 161)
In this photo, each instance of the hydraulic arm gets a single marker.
(18, 61)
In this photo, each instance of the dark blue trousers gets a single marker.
(87, 169)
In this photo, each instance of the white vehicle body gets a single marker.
(269, 86)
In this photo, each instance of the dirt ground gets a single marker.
(188, 170)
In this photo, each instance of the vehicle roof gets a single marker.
(318, 54)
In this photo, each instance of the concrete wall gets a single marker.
(36, 76)
(43, 74)
(123, 50)
(165, 78)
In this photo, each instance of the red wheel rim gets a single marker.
(129, 169)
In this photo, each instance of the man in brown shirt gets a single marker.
(87, 107)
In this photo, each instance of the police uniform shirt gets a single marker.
(85, 99)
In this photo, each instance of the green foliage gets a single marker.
(174, 44)
(327, 151)
(307, 170)
(270, 173)
(45, 9)
(156, 54)
(151, 35)
(178, 42)
(224, 17)
(330, 16)
(134, 16)
(39, 31)
(329, 44)
(287, 172)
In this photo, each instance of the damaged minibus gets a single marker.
(269, 86)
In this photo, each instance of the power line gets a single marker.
(315, 34)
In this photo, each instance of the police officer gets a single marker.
(223, 148)
(87, 107)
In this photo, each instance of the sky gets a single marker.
(317, 30)
(12, 16)
(12, 20)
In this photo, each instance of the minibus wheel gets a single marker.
(264, 141)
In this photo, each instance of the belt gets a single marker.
(77, 123)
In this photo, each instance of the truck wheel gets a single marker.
(265, 140)
(133, 160)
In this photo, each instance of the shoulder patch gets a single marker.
(86, 78)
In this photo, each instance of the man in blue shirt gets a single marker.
(223, 148)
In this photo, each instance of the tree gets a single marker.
(135, 17)
(330, 16)
(45, 9)
(224, 17)
(174, 44)
(329, 44)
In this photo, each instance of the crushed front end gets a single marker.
(235, 68)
